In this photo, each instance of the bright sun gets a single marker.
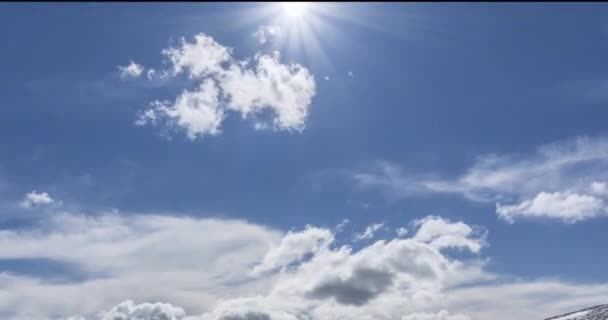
(294, 9)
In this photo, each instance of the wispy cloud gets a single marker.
(131, 256)
(401, 232)
(266, 33)
(369, 232)
(564, 180)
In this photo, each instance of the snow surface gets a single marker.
(573, 316)
(594, 313)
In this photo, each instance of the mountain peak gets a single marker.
(599, 312)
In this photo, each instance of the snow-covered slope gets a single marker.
(594, 313)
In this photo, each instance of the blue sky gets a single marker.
(482, 122)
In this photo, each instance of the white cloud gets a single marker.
(441, 315)
(600, 188)
(150, 74)
(341, 225)
(294, 247)
(197, 112)
(188, 261)
(563, 181)
(146, 311)
(570, 207)
(369, 232)
(248, 87)
(401, 232)
(286, 90)
(266, 33)
(132, 70)
(200, 267)
(34, 199)
(326, 77)
(440, 233)
(386, 279)
(200, 58)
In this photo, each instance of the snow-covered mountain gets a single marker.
(594, 313)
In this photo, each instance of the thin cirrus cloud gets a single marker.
(566, 181)
(226, 85)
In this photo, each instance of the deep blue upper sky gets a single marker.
(433, 87)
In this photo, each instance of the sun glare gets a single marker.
(294, 9)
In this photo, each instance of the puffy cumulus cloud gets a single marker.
(369, 232)
(564, 181)
(497, 301)
(200, 58)
(34, 199)
(441, 315)
(441, 233)
(286, 90)
(249, 87)
(358, 288)
(197, 111)
(132, 70)
(255, 308)
(294, 247)
(146, 311)
(201, 265)
(266, 33)
(385, 280)
(570, 207)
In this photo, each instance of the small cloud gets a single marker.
(350, 74)
(150, 74)
(401, 232)
(261, 126)
(266, 33)
(153, 74)
(369, 232)
(326, 78)
(35, 199)
(567, 206)
(600, 188)
(132, 70)
(341, 225)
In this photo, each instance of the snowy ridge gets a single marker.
(593, 313)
